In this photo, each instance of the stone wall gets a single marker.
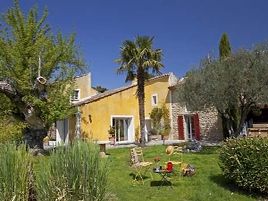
(210, 122)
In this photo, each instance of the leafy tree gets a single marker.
(36, 71)
(224, 47)
(228, 124)
(138, 59)
(241, 80)
(100, 89)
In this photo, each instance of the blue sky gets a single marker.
(186, 30)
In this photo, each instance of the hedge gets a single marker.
(245, 162)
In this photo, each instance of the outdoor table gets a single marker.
(164, 175)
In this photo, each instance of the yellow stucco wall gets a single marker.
(83, 83)
(97, 115)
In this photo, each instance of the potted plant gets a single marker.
(111, 132)
(165, 132)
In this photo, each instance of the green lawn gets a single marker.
(207, 184)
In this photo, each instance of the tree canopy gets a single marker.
(224, 47)
(37, 68)
(240, 80)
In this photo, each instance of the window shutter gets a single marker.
(180, 127)
(196, 126)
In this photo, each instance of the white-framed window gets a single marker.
(76, 95)
(154, 100)
(124, 128)
(189, 123)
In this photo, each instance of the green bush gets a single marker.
(10, 130)
(75, 172)
(245, 161)
(14, 172)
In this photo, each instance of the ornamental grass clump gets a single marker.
(75, 172)
(15, 165)
(245, 161)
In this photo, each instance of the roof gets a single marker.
(113, 91)
(82, 75)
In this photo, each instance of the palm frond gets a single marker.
(139, 54)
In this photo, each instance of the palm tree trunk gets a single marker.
(140, 93)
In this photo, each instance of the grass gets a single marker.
(207, 184)
(71, 173)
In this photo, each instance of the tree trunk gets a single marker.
(234, 114)
(142, 121)
(140, 93)
(34, 137)
(243, 116)
(36, 130)
(225, 129)
(230, 121)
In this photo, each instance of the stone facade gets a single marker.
(210, 124)
(209, 120)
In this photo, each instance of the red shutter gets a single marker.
(180, 127)
(196, 127)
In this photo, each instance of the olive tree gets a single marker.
(241, 80)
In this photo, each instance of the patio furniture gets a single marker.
(187, 169)
(175, 157)
(174, 152)
(260, 130)
(164, 173)
(138, 164)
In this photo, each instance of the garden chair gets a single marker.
(138, 164)
(175, 155)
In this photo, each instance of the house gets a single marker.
(65, 130)
(119, 108)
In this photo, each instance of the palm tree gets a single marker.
(140, 61)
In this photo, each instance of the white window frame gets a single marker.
(156, 99)
(78, 95)
(131, 130)
(189, 134)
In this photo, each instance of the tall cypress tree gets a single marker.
(224, 47)
(230, 117)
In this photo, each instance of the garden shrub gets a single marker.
(14, 172)
(74, 172)
(10, 130)
(245, 161)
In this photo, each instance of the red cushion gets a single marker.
(169, 167)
